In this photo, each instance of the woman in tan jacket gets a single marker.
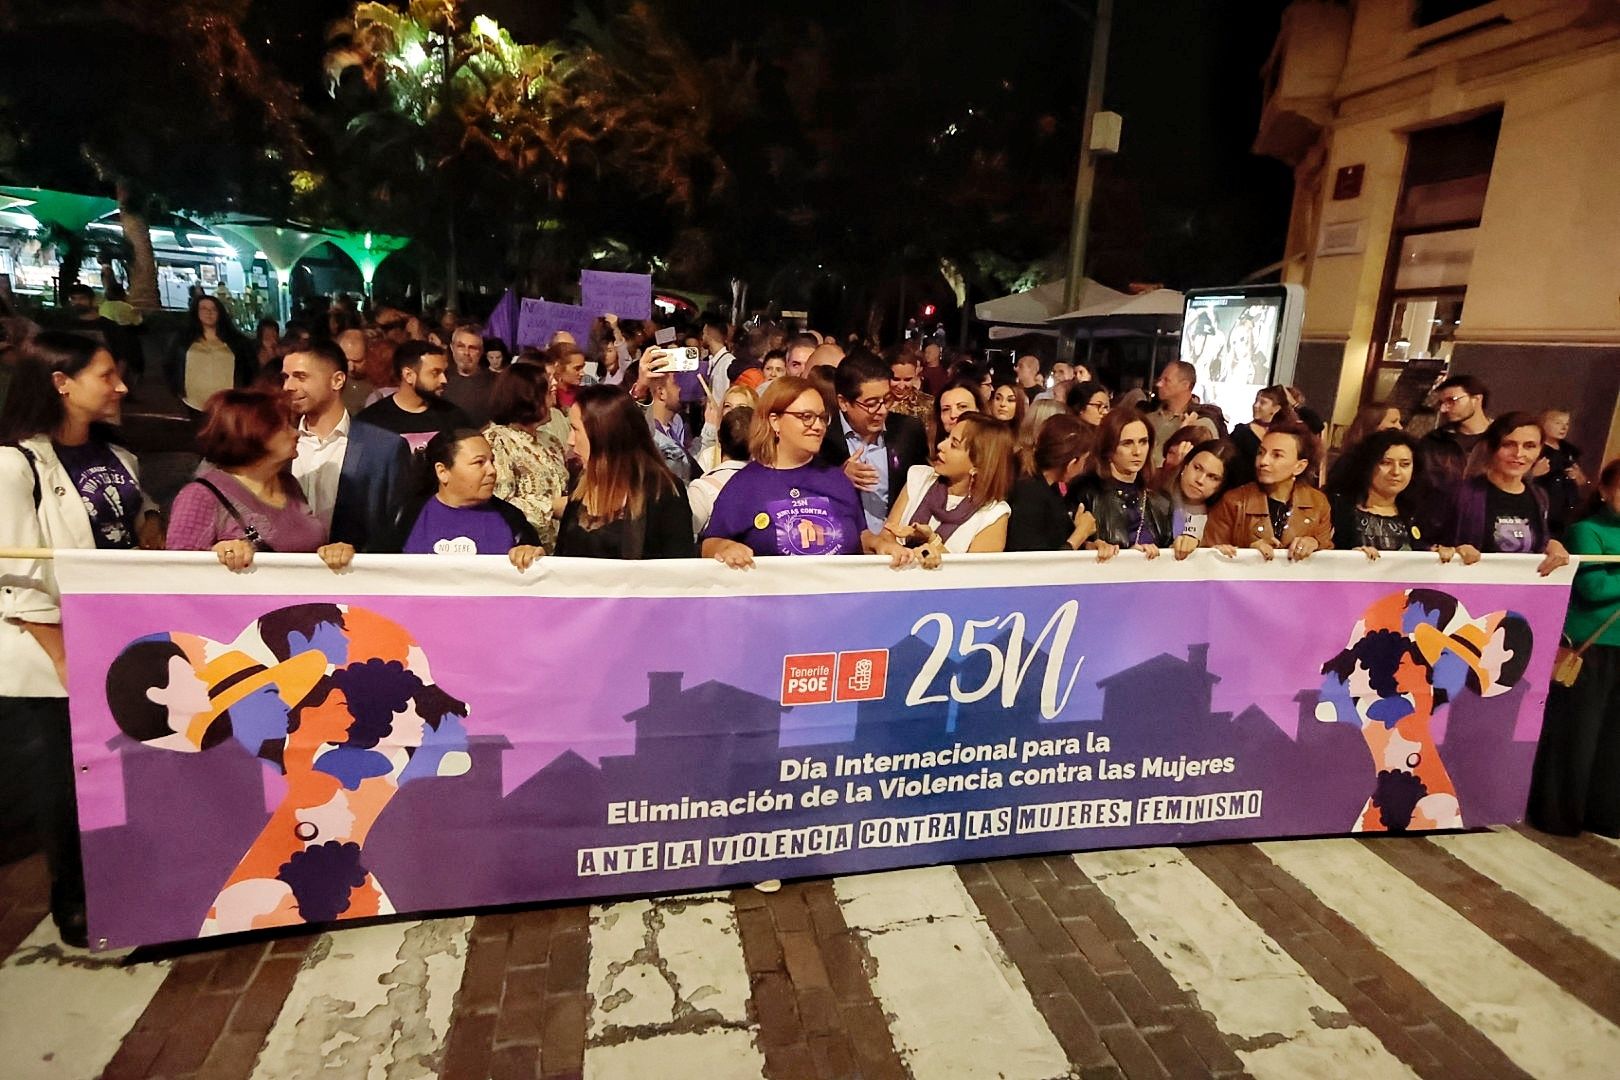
(1279, 510)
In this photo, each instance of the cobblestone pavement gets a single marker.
(1488, 954)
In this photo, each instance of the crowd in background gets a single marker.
(382, 431)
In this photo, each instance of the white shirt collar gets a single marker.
(341, 431)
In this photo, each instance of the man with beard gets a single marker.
(417, 411)
(354, 474)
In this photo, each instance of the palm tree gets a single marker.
(154, 101)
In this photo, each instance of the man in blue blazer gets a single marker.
(873, 446)
(355, 475)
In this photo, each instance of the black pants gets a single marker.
(1576, 783)
(37, 756)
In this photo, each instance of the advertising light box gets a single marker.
(1241, 340)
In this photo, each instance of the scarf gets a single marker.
(933, 507)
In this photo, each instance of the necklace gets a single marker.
(1123, 491)
(1279, 523)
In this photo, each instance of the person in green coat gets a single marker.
(1576, 782)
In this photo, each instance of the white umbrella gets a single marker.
(1157, 303)
(1036, 307)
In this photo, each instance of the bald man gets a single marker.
(827, 354)
(357, 390)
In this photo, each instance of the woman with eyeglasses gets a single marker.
(1090, 402)
(785, 501)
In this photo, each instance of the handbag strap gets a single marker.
(249, 533)
(1589, 642)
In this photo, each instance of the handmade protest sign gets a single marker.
(629, 296)
(538, 320)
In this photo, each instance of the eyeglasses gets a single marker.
(1100, 406)
(873, 405)
(807, 418)
(1448, 402)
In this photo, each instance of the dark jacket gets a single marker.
(1445, 463)
(1242, 518)
(1467, 522)
(1041, 520)
(373, 488)
(522, 531)
(1113, 526)
(664, 531)
(903, 437)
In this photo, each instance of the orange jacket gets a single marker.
(1241, 518)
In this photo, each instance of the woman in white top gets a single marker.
(963, 497)
(63, 484)
(210, 356)
(733, 449)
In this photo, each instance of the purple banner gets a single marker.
(629, 296)
(284, 756)
(538, 320)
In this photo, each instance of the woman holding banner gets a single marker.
(63, 484)
(628, 505)
(786, 501)
(463, 516)
(1043, 518)
(1129, 513)
(1500, 510)
(962, 498)
(249, 502)
(1279, 511)
(1196, 487)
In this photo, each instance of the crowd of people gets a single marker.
(388, 433)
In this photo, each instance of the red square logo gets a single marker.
(863, 675)
(807, 679)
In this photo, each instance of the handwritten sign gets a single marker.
(538, 320)
(629, 296)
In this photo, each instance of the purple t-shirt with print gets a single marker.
(811, 510)
(459, 530)
(111, 496)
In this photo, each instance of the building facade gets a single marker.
(1457, 200)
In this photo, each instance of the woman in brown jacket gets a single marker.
(1278, 510)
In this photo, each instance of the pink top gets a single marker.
(198, 521)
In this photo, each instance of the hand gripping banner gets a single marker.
(291, 746)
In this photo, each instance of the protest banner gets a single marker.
(538, 320)
(289, 745)
(629, 296)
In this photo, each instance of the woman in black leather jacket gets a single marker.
(1129, 513)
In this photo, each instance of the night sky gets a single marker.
(1184, 203)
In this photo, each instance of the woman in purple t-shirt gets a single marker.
(249, 501)
(785, 501)
(463, 517)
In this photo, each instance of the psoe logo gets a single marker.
(807, 679)
(863, 675)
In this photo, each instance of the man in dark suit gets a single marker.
(874, 447)
(355, 475)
